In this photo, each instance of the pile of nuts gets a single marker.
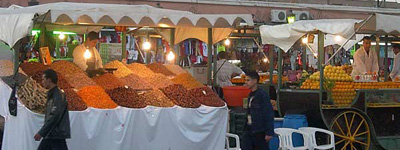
(61, 83)
(180, 96)
(95, 96)
(33, 96)
(75, 102)
(207, 97)
(31, 68)
(187, 81)
(156, 98)
(175, 69)
(160, 68)
(108, 81)
(122, 70)
(66, 67)
(79, 80)
(140, 70)
(159, 81)
(126, 97)
(6, 68)
(136, 83)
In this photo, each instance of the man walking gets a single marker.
(56, 126)
(259, 127)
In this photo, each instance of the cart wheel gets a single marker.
(351, 131)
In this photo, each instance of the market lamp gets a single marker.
(146, 45)
(304, 40)
(265, 60)
(170, 56)
(227, 42)
(87, 54)
(291, 17)
(61, 36)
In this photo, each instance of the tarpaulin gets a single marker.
(150, 128)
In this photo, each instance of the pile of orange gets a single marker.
(343, 93)
(376, 85)
(310, 84)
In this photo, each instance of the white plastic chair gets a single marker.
(285, 139)
(237, 140)
(313, 141)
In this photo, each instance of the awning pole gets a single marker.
(271, 65)
(209, 57)
(347, 40)
(280, 65)
(172, 46)
(304, 57)
(386, 57)
(123, 36)
(321, 57)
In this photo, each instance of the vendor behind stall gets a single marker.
(365, 59)
(226, 70)
(396, 62)
(87, 57)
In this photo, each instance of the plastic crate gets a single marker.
(295, 121)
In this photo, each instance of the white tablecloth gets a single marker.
(150, 128)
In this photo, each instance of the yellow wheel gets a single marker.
(351, 131)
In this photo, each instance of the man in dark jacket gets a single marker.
(56, 126)
(259, 127)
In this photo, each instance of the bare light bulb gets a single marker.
(265, 60)
(146, 45)
(227, 42)
(170, 56)
(338, 38)
(61, 36)
(304, 40)
(87, 54)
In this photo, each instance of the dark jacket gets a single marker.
(261, 112)
(56, 120)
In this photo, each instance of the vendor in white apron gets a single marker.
(365, 59)
(396, 62)
(87, 57)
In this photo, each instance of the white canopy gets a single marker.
(65, 13)
(382, 24)
(284, 36)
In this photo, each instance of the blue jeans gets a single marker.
(253, 141)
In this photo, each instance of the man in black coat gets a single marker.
(56, 126)
(259, 127)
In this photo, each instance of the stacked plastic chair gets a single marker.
(237, 140)
(313, 140)
(286, 141)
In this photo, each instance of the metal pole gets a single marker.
(123, 40)
(386, 57)
(304, 57)
(271, 65)
(280, 65)
(347, 40)
(172, 45)
(321, 57)
(209, 57)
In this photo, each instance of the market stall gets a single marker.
(152, 106)
(333, 99)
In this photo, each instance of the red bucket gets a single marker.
(234, 95)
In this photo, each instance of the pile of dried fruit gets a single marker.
(187, 81)
(61, 83)
(159, 81)
(175, 69)
(95, 96)
(6, 68)
(79, 80)
(140, 70)
(31, 68)
(75, 102)
(160, 68)
(126, 97)
(156, 98)
(33, 96)
(136, 83)
(207, 97)
(180, 96)
(122, 70)
(66, 67)
(108, 81)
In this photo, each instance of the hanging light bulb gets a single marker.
(304, 40)
(61, 36)
(87, 54)
(265, 60)
(338, 38)
(146, 45)
(170, 56)
(227, 42)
